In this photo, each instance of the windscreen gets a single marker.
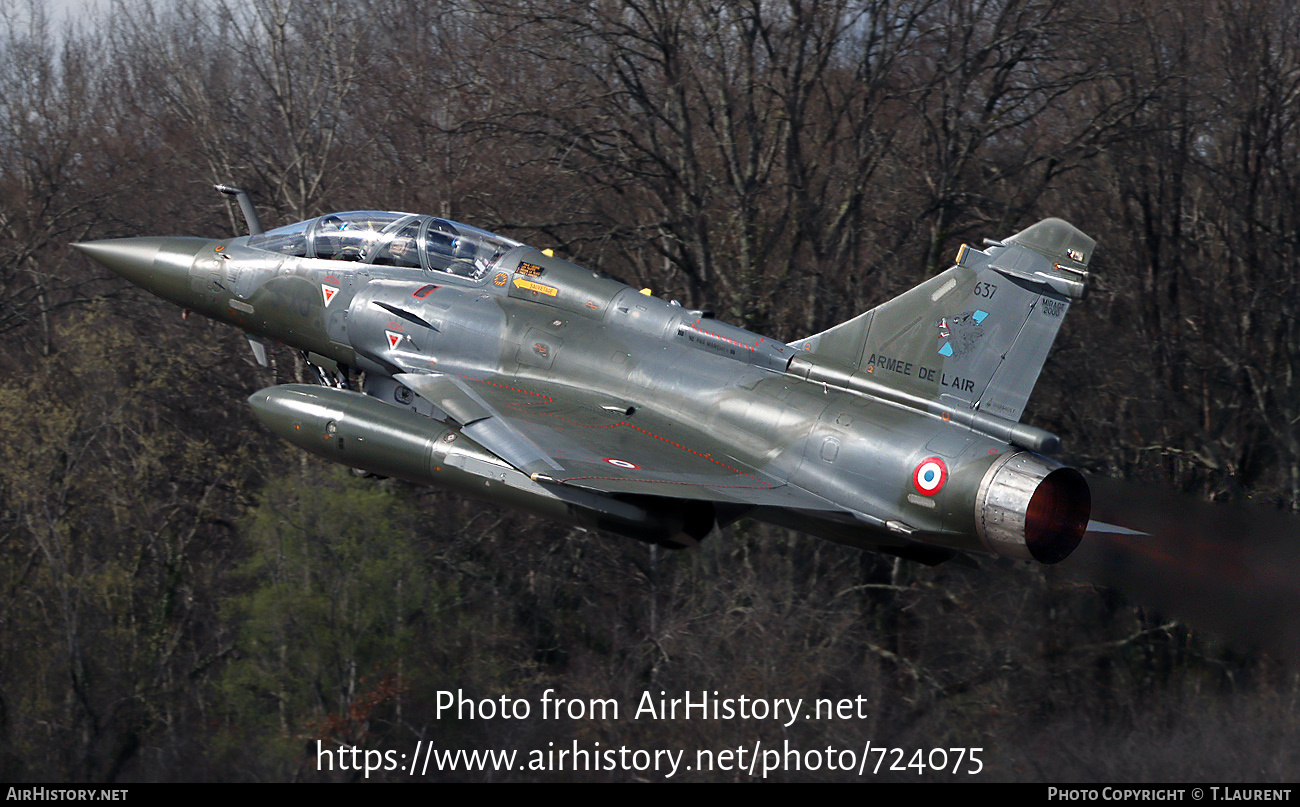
(386, 238)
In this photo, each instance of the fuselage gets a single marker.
(848, 466)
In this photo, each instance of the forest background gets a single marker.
(184, 597)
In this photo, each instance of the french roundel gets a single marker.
(617, 463)
(929, 476)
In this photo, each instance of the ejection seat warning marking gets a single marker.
(393, 339)
(530, 269)
(537, 288)
(328, 292)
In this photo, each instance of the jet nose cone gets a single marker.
(159, 264)
(132, 258)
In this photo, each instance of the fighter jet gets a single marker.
(448, 355)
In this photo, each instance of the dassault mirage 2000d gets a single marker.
(451, 356)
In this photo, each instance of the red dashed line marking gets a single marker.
(688, 450)
(549, 399)
(720, 336)
(519, 406)
(574, 423)
(764, 486)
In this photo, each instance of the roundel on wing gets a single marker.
(929, 476)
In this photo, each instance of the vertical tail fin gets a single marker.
(975, 336)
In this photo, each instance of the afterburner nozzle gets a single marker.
(1029, 507)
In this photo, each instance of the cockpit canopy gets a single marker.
(386, 238)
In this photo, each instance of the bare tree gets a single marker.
(266, 88)
(52, 137)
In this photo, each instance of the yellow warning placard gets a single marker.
(524, 283)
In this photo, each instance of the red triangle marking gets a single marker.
(329, 292)
(393, 339)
